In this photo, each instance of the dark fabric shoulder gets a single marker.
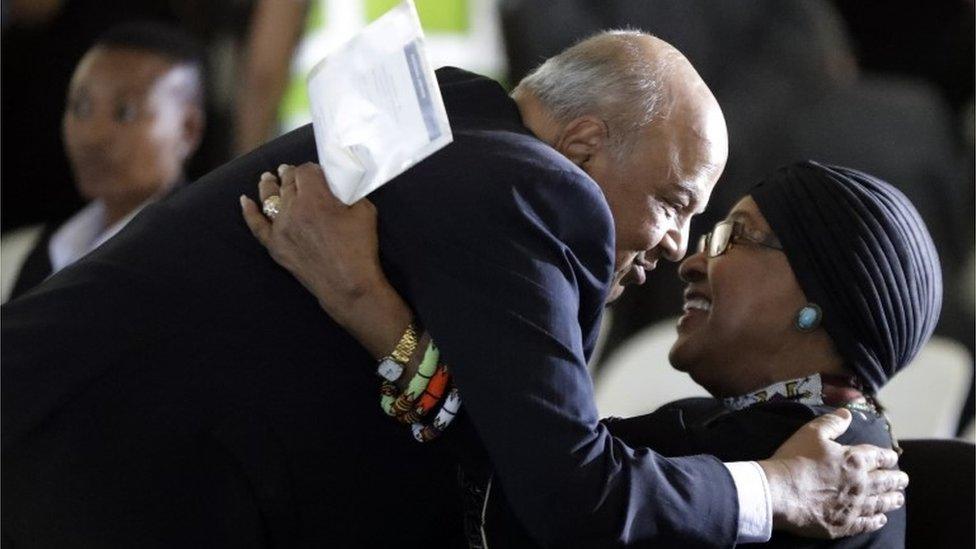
(755, 432)
(471, 96)
(511, 201)
(704, 426)
(496, 180)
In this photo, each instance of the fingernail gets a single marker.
(267, 175)
(243, 201)
(282, 168)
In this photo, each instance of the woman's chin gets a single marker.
(685, 356)
(678, 356)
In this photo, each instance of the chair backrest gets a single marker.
(14, 247)
(636, 378)
(925, 399)
(941, 496)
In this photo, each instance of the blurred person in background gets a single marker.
(286, 38)
(273, 35)
(134, 116)
(42, 43)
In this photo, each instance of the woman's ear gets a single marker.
(582, 138)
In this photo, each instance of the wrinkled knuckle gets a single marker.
(889, 483)
(814, 428)
(840, 515)
(311, 170)
(830, 420)
(855, 528)
(855, 460)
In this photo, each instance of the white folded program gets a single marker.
(376, 107)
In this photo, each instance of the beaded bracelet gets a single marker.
(447, 413)
(393, 405)
(431, 396)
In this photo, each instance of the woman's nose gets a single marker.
(694, 267)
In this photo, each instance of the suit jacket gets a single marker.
(176, 387)
(705, 426)
(37, 264)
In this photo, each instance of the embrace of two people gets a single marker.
(206, 398)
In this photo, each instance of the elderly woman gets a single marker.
(816, 289)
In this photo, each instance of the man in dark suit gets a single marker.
(176, 388)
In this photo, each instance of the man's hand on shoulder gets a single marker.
(822, 489)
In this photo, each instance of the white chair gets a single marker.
(606, 324)
(637, 379)
(969, 434)
(925, 398)
(14, 247)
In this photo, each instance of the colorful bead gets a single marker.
(430, 397)
(394, 406)
(447, 413)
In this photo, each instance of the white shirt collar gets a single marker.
(84, 232)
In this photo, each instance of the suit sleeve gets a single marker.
(499, 284)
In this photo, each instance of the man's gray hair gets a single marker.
(608, 75)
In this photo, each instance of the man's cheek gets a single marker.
(623, 261)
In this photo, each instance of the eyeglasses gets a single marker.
(720, 239)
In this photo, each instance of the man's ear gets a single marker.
(194, 123)
(581, 138)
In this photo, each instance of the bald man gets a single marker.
(227, 409)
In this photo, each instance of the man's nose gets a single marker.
(675, 243)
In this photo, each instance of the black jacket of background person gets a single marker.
(177, 388)
(37, 264)
(705, 426)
